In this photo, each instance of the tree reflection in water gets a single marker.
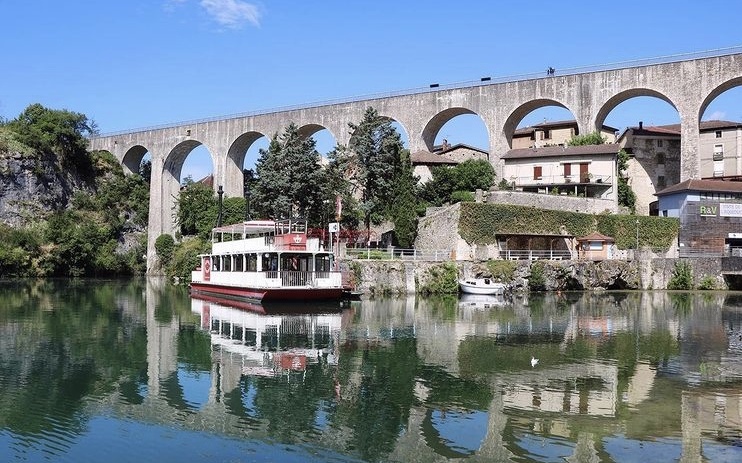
(621, 376)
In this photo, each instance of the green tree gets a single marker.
(626, 196)
(192, 208)
(375, 156)
(592, 138)
(288, 174)
(60, 132)
(404, 207)
(165, 245)
(468, 176)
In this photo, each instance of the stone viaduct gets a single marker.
(687, 82)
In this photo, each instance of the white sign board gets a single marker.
(730, 209)
(333, 227)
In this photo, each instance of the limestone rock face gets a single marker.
(32, 187)
(578, 275)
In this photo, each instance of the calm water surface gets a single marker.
(99, 371)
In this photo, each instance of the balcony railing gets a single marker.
(560, 179)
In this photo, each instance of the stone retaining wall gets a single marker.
(553, 202)
(406, 277)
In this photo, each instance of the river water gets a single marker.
(137, 371)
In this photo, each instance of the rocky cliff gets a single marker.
(31, 186)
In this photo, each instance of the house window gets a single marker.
(546, 134)
(718, 134)
(660, 158)
(537, 172)
(718, 168)
(659, 143)
(661, 182)
(718, 152)
(567, 170)
(718, 160)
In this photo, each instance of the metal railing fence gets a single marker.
(458, 85)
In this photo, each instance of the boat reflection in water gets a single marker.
(274, 339)
(481, 301)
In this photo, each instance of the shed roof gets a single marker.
(595, 236)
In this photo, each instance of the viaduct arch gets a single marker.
(687, 82)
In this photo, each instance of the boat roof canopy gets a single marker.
(250, 227)
(260, 227)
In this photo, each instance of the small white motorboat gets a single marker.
(481, 286)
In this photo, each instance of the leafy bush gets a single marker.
(502, 270)
(682, 276)
(707, 283)
(185, 258)
(537, 280)
(462, 196)
(164, 246)
(442, 279)
(468, 176)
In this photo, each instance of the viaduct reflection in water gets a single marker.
(615, 371)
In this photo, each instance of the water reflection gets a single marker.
(621, 376)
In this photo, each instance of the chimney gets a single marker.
(641, 125)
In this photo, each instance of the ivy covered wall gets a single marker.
(480, 223)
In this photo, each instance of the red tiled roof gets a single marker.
(460, 146)
(552, 151)
(674, 129)
(553, 124)
(703, 185)
(425, 157)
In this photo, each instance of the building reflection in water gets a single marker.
(649, 371)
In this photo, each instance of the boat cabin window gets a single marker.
(252, 262)
(269, 262)
(227, 262)
(239, 262)
(216, 263)
(322, 263)
(293, 263)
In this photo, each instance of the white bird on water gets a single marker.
(534, 361)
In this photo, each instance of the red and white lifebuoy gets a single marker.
(207, 268)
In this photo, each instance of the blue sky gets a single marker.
(131, 64)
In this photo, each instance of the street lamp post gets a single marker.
(247, 204)
(220, 192)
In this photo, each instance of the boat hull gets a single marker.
(481, 287)
(263, 295)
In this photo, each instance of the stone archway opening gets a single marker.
(135, 159)
(177, 173)
(720, 133)
(539, 123)
(464, 129)
(197, 167)
(545, 126)
(456, 126)
(648, 131)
